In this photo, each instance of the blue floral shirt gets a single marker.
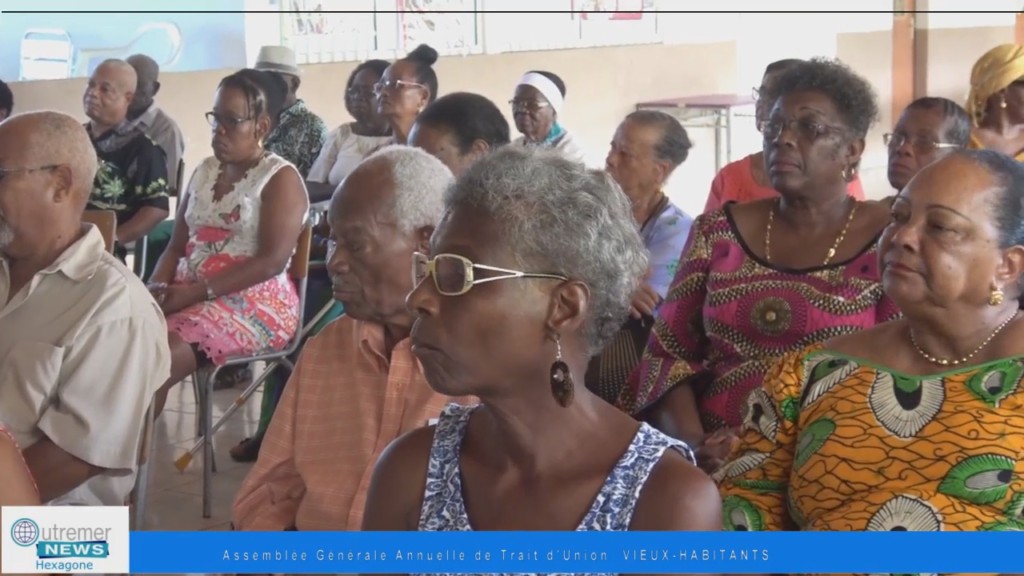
(664, 238)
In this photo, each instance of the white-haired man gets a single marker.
(83, 346)
(357, 386)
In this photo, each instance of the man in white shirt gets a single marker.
(83, 346)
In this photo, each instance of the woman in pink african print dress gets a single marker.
(760, 279)
(222, 282)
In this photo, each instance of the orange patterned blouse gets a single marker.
(833, 442)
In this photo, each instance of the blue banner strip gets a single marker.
(547, 552)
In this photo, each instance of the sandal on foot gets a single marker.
(247, 450)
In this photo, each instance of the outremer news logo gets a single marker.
(64, 539)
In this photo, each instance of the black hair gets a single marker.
(851, 94)
(376, 66)
(1009, 202)
(675, 143)
(423, 58)
(1008, 205)
(959, 131)
(273, 86)
(553, 77)
(782, 65)
(468, 117)
(6, 98)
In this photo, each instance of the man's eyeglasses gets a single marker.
(528, 106)
(807, 129)
(216, 120)
(920, 144)
(454, 275)
(4, 172)
(394, 86)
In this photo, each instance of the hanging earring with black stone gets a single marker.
(561, 379)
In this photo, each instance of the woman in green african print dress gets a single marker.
(916, 424)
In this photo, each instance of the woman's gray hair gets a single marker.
(420, 183)
(555, 215)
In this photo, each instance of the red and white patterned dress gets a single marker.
(223, 233)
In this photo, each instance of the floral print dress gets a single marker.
(223, 233)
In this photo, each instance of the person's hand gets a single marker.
(715, 449)
(645, 300)
(158, 290)
(180, 296)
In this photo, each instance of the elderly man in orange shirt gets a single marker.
(357, 385)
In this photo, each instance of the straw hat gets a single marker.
(279, 59)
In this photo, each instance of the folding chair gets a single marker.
(139, 251)
(139, 493)
(140, 248)
(106, 221)
(203, 380)
(176, 191)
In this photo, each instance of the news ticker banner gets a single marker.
(97, 540)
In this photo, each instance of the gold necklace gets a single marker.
(831, 251)
(965, 359)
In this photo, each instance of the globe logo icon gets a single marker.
(24, 532)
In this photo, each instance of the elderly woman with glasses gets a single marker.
(747, 179)
(405, 89)
(916, 424)
(763, 278)
(536, 105)
(222, 281)
(531, 272)
(349, 143)
(928, 129)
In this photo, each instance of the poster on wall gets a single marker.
(611, 22)
(449, 26)
(319, 31)
(53, 44)
(522, 25)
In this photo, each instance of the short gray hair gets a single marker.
(555, 215)
(420, 182)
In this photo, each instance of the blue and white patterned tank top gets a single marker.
(444, 509)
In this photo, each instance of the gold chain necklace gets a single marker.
(831, 251)
(965, 359)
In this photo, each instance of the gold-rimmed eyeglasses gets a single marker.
(454, 275)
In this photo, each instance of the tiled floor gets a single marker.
(175, 498)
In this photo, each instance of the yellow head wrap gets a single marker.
(997, 69)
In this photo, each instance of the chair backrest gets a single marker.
(106, 221)
(177, 180)
(299, 268)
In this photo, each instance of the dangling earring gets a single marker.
(1002, 101)
(846, 174)
(995, 298)
(561, 379)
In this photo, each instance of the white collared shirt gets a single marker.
(83, 349)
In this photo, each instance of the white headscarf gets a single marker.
(546, 87)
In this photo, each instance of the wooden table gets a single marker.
(715, 111)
